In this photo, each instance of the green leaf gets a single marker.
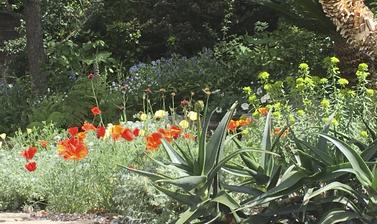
(329, 187)
(266, 143)
(338, 216)
(243, 189)
(220, 164)
(187, 216)
(363, 172)
(274, 177)
(215, 145)
(173, 155)
(321, 153)
(370, 152)
(370, 130)
(152, 176)
(187, 199)
(199, 169)
(225, 199)
(290, 182)
(186, 183)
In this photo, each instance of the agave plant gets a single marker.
(199, 187)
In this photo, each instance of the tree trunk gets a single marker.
(350, 58)
(355, 22)
(34, 42)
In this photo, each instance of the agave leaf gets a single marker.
(266, 145)
(370, 152)
(199, 169)
(320, 153)
(338, 216)
(274, 177)
(308, 161)
(220, 164)
(187, 183)
(243, 189)
(237, 171)
(370, 130)
(152, 176)
(225, 199)
(292, 182)
(363, 172)
(330, 187)
(173, 155)
(215, 145)
(188, 215)
(187, 199)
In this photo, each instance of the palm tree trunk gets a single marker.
(355, 22)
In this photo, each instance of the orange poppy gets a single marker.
(43, 143)
(263, 111)
(31, 166)
(116, 132)
(96, 111)
(153, 141)
(81, 135)
(189, 136)
(245, 121)
(167, 134)
(72, 149)
(175, 131)
(233, 125)
(277, 132)
(29, 153)
(88, 126)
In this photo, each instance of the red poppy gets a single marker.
(128, 135)
(88, 126)
(72, 149)
(31, 166)
(189, 136)
(43, 143)
(96, 111)
(101, 131)
(29, 153)
(153, 141)
(73, 131)
(136, 132)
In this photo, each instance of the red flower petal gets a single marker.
(29, 153)
(32, 166)
(101, 131)
(73, 131)
(128, 135)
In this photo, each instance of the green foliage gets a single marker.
(278, 52)
(14, 105)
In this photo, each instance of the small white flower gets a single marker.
(265, 98)
(245, 106)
